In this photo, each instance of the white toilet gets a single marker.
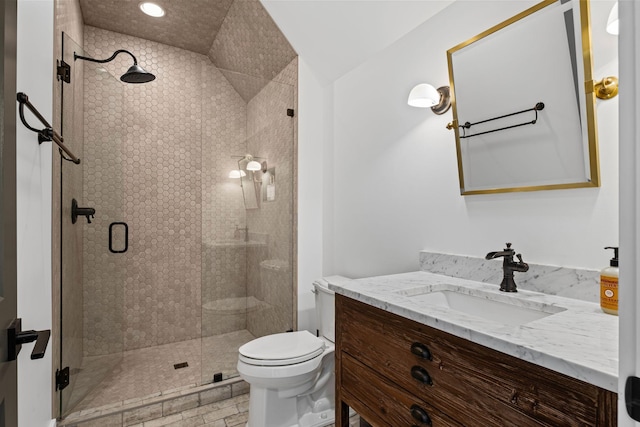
(292, 374)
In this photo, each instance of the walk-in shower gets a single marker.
(174, 272)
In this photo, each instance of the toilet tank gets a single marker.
(325, 310)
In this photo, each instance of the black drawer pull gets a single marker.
(420, 415)
(421, 350)
(421, 374)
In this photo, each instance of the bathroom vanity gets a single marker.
(405, 357)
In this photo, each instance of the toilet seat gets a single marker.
(283, 349)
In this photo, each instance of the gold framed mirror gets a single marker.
(524, 103)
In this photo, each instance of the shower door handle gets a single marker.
(126, 237)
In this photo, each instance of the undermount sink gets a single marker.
(502, 308)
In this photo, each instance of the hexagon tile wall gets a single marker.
(157, 156)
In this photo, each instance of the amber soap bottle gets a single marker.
(609, 285)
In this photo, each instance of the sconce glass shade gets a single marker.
(423, 96)
(613, 23)
(254, 166)
(235, 174)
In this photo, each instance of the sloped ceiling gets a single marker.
(187, 24)
(242, 39)
(238, 36)
(334, 37)
(249, 49)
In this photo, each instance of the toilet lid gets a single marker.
(282, 349)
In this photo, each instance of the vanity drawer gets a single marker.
(374, 396)
(464, 378)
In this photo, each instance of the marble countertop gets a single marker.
(578, 340)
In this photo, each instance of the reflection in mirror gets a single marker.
(269, 185)
(499, 78)
(249, 193)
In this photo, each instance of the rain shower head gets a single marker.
(135, 73)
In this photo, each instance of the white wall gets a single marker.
(35, 62)
(314, 119)
(391, 185)
(629, 299)
(395, 168)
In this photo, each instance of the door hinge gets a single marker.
(62, 378)
(64, 71)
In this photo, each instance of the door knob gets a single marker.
(16, 337)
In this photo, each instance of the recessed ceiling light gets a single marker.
(152, 9)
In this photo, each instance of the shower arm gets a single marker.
(102, 61)
(46, 134)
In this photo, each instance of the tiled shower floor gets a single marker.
(149, 371)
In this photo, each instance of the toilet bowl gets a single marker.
(291, 375)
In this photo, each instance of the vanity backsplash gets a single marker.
(565, 282)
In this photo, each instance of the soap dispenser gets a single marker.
(609, 285)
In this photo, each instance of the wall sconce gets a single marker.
(237, 173)
(252, 165)
(613, 23)
(426, 96)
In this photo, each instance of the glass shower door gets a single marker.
(92, 270)
(247, 267)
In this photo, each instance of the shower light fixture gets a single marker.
(254, 166)
(426, 96)
(135, 73)
(152, 9)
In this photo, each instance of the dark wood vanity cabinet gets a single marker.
(396, 372)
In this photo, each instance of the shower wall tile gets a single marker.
(270, 134)
(249, 43)
(247, 86)
(182, 152)
(223, 137)
(223, 251)
(179, 137)
(158, 183)
(104, 272)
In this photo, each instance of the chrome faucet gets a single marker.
(509, 266)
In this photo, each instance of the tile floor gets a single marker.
(226, 413)
(148, 371)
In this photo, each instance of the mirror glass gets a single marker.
(248, 184)
(523, 102)
(269, 185)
